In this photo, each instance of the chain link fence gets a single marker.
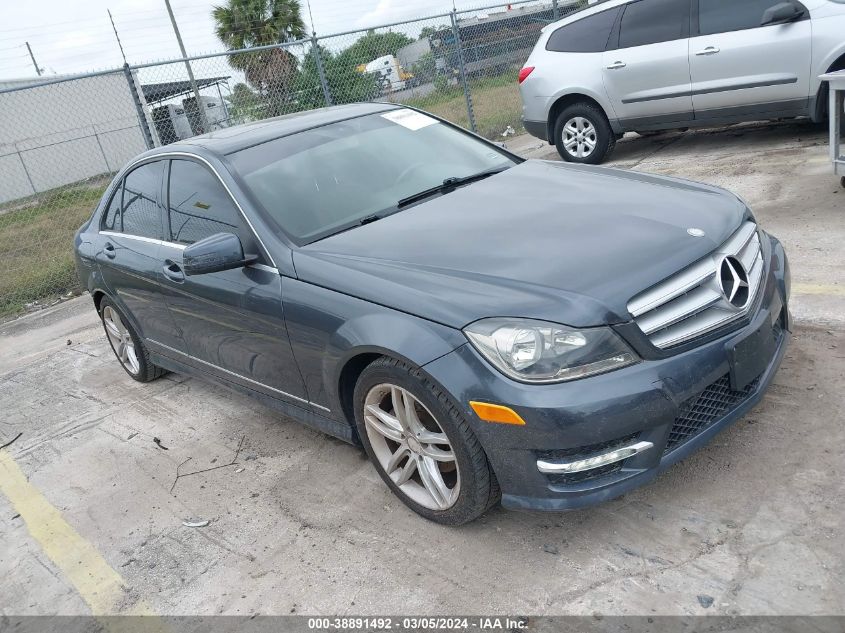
(62, 140)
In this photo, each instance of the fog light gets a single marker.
(580, 465)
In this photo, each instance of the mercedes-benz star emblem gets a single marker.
(734, 280)
(695, 232)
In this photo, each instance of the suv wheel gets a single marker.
(127, 345)
(421, 444)
(583, 134)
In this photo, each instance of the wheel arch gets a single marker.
(566, 100)
(361, 341)
(819, 113)
(97, 295)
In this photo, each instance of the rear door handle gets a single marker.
(173, 271)
(710, 50)
(109, 250)
(616, 65)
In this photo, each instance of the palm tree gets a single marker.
(248, 23)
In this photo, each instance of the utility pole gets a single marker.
(202, 119)
(32, 57)
(117, 37)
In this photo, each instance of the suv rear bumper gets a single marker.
(540, 129)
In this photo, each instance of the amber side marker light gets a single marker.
(496, 413)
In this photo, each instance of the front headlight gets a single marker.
(541, 352)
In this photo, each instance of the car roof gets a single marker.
(238, 137)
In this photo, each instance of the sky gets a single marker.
(75, 36)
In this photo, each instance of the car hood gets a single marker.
(545, 240)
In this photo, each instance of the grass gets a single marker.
(496, 105)
(36, 252)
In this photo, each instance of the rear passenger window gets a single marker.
(111, 219)
(653, 21)
(587, 35)
(133, 208)
(198, 205)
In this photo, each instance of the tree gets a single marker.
(374, 45)
(428, 31)
(244, 104)
(346, 84)
(248, 23)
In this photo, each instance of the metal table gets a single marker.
(837, 101)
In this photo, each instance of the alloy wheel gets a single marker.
(121, 340)
(411, 447)
(579, 137)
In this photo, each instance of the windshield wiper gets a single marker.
(447, 186)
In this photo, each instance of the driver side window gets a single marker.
(198, 206)
(724, 16)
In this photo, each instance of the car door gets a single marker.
(646, 67)
(127, 252)
(736, 63)
(232, 321)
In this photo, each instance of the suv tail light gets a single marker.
(524, 72)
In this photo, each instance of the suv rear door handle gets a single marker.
(108, 248)
(710, 50)
(173, 271)
(616, 65)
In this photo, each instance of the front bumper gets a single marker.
(677, 403)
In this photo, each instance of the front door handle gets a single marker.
(616, 65)
(109, 250)
(173, 271)
(710, 50)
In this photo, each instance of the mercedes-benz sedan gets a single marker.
(487, 327)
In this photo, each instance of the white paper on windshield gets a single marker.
(409, 118)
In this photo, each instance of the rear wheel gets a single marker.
(421, 445)
(583, 134)
(127, 345)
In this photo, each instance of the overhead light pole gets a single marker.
(202, 118)
(32, 57)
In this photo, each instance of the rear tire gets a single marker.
(127, 346)
(583, 134)
(454, 487)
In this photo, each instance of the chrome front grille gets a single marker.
(705, 296)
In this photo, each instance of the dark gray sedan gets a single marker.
(488, 328)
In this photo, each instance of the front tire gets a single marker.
(583, 134)
(422, 445)
(127, 346)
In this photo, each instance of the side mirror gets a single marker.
(781, 14)
(222, 251)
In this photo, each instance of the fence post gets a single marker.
(139, 109)
(315, 48)
(457, 35)
(25, 170)
(555, 12)
(102, 151)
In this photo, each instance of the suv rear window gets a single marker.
(653, 21)
(587, 35)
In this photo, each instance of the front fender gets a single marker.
(328, 329)
(390, 333)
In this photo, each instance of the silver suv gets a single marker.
(643, 65)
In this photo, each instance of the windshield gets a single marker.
(321, 181)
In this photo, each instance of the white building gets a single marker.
(65, 132)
